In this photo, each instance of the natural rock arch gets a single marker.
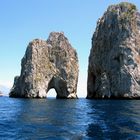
(45, 65)
(60, 87)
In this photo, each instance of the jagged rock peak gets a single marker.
(123, 7)
(37, 42)
(45, 65)
(54, 37)
(114, 61)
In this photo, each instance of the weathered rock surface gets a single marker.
(114, 61)
(48, 64)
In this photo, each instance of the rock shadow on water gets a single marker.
(114, 119)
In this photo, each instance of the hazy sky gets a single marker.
(22, 21)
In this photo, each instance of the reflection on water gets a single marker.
(35, 119)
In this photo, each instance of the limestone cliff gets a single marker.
(114, 61)
(45, 65)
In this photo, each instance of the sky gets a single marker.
(21, 21)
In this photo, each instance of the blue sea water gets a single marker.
(82, 119)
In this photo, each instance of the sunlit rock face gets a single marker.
(45, 65)
(114, 61)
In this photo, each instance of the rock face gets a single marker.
(114, 61)
(45, 65)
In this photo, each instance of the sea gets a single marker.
(62, 119)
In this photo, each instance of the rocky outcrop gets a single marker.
(114, 61)
(45, 65)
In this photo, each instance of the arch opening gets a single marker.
(60, 87)
(51, 93)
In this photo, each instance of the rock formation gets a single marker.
(45, 65)
(114, 61)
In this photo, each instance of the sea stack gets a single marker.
(114, 61)
(45, 65)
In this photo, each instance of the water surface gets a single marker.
(82, 119)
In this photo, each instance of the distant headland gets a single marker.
(1, 94)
